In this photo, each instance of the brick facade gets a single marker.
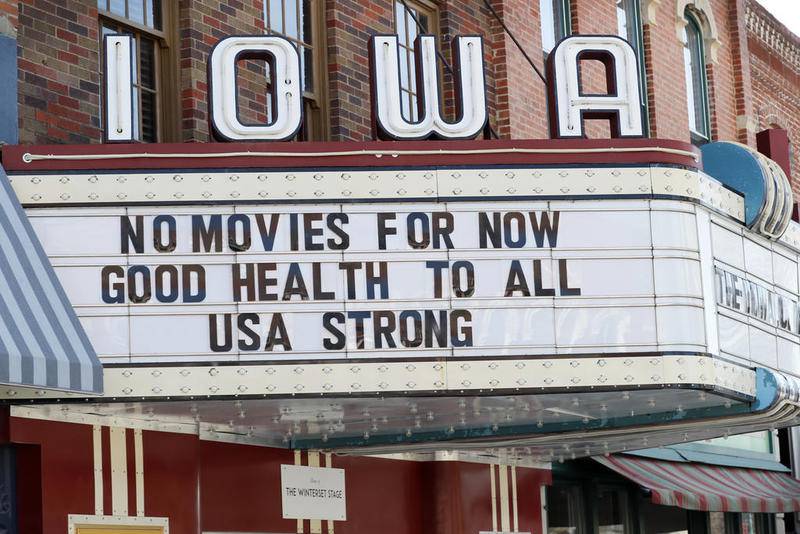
(775, 72)
(753, 75)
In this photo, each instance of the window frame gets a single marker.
(165, 57)
(693, 25)
(316, 109)
(431, 10)
(635, 19)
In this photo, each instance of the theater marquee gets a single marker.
(559, 290)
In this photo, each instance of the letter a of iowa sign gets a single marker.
(42, 344)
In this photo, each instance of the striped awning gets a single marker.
(709, 487)
(42, 344)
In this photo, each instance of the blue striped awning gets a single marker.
(42, 344)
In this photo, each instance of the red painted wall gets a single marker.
(67, 479)
(240, 488)
(211, 486)
(171, 479)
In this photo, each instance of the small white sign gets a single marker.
(313, 493)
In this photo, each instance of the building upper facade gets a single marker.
(710, 69)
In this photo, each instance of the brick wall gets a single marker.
(59, 78)
(60, 81)
(202, 23)
(775, 72)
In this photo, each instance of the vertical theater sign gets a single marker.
(429, 290)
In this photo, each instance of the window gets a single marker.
(696, 87)
(749, 523)
(419, 18)
(565, 509)
(554, 16)
(144, 21)
(613, 515)
(629, 27)
(302, 22)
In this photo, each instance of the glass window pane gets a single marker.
(658, 519)
(275, 16)
(308, 70)
(147, 60)
(404, 78)
(548, 19)
(694, 70)
(136, 11)
(400, 23)
(612, 511)
(405, 101)
(307, 35)
(412, 72)
(102, 4)
(424, 22)
(412, 28)
(134, 61)
(290, 13)
(565, 510)
(748, 524)
(622, 19)
(154, 17)
(149, 117)
(136, 130)
(117, 7)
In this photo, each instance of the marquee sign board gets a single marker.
(376, 281)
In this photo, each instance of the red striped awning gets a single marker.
(709, 487)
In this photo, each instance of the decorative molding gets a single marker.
(356, 185)
(774, 35)
(708, 25)
(649, 10)
(388, 377)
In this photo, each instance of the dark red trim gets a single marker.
(12, 155)
(105, 444)
(130, 458)
(774, 143)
